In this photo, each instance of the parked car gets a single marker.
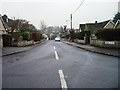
(57, 39)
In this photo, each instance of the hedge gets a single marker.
(36, 36)
(7, 40)
(81, 35)
(108, 34)
(26, 36)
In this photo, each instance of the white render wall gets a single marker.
(2, 29)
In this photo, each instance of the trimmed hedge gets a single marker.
(80, 35)
(108, 34)
(7, 40)
(26, 36)
(36, 36)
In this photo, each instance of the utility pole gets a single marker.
(71, 20)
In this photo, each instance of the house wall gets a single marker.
(2, 31)
(79, 41)
(1, 41)
(90, 28)
(110, 25)
(118, 26)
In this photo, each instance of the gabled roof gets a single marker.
(108, 24)
(101, 24)
(95, 26)
(117, 25)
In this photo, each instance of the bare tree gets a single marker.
(43, 25)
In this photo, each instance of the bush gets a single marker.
(80, 35)
(26, 36)
(108, 34)
(65, 35)
(16, 36)
(7, 40)
(36, 36)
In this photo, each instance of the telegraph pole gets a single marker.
(71, 21)
(74, 12)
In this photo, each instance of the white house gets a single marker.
(117, 25)
(2, 31)
(109, 25)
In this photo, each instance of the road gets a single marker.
(58, 65)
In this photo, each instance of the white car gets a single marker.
(57, 39)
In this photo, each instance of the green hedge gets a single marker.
(108, 34)
(26, 36)
(80, 35)
(7, 40)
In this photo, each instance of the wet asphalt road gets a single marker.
(39, 68)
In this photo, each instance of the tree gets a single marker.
(43, 26)
(22, 25)
(14, 26)
(72, 35)
(117, 16)
(65, 26)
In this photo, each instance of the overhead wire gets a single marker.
(78, 6)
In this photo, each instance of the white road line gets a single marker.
(54, 48)
(62, 79)
(56, 55)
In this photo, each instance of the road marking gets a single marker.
(62, 80)
(56, 55)
(54, 48)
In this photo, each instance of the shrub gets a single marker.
(65, 35)
(7, 40)
(80, 35)
(16, 36)
(36, 36)
(26, 36)
(108, 34)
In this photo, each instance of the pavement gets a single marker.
(105, 51)
(14, 50)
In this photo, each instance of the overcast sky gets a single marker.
(57, 12)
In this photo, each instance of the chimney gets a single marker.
(95, 22)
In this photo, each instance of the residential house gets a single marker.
(81, 27)
(2, 26)
(2, 31)
(117, 25)
(109, 25)
(76, 30)
(93, 27)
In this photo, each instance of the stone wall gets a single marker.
(105, 44)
